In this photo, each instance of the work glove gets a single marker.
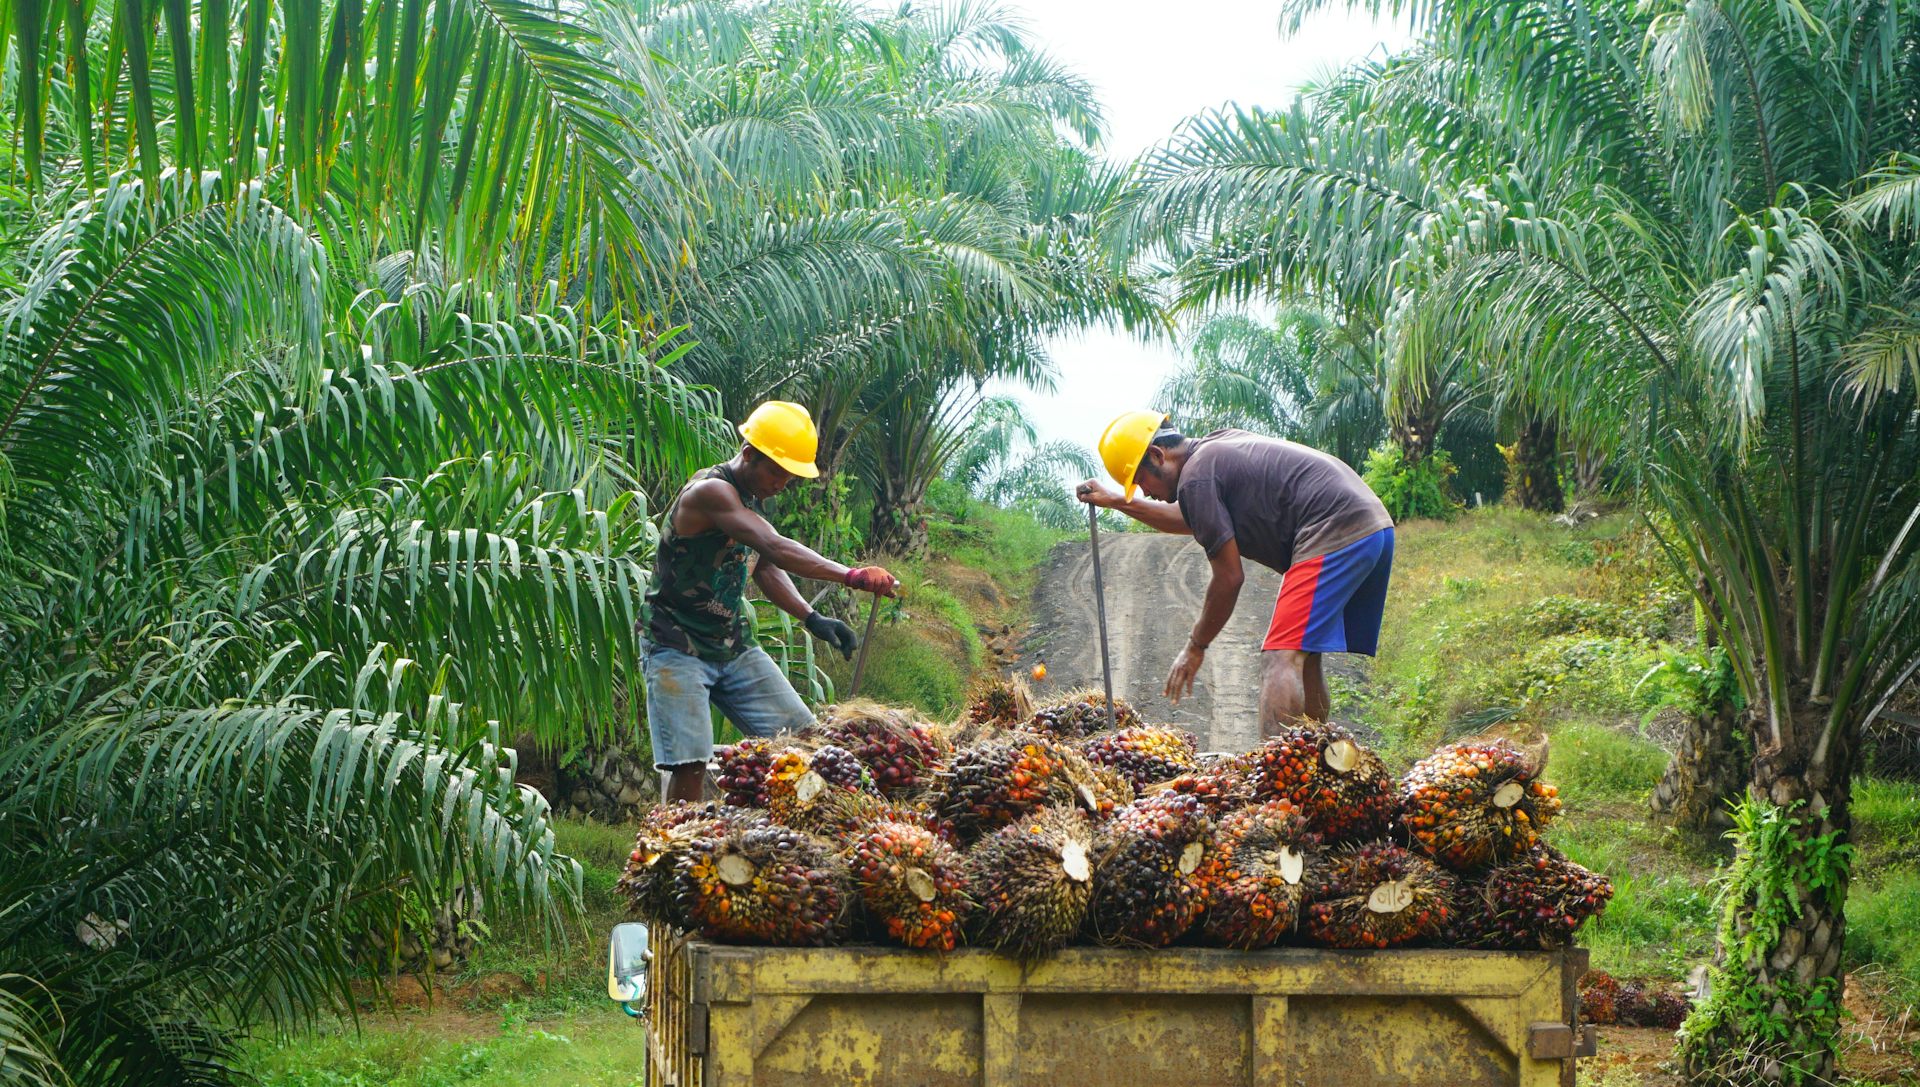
(833, 632)
(872, 579)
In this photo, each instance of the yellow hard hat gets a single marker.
(1124, 444)
(785, 432)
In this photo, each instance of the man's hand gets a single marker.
(872, 579)
(833, 632)
(1095, 493)
(1185, 667)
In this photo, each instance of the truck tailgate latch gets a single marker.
(1560, 1041)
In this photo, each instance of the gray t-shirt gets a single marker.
(1283, 502)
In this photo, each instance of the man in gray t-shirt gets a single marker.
(1281, 504)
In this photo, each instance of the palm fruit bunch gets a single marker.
(1377, 895)
(1005, 776)
(825, 791)
(1536, 902)
(1599, 998)
(1222, 787)
(1652, 1006)
(1343, 788)
(1144, 754)
(1033, 882)
(1079, 714)
(1476, 803)
(900, 752)
(741, 770)
(1146, 886)
(913, 882)
(1254, 878)
(666, 833)
(765, 884)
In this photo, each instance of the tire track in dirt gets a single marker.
(1155, 585)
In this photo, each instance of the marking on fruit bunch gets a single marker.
(1086, 794)
(920, 884)
(1190, 857)
(1342, 755)
(810, 785)
(735, 870)
(1292, 864)
(1390, 897)
(1506, 796)
(1073, 858)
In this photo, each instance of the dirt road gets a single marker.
(1154, 587)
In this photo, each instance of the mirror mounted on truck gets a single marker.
(628, 956)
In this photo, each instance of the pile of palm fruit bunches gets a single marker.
(1027, 829)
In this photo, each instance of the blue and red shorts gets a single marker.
(1332, 603)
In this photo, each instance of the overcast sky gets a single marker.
(1154, 65)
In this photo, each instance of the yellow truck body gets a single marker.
(726, 1016)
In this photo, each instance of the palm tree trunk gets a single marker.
(1705, 774)
(1415, 434)
(1778, 1020)
(1533, 467)
(899, 524)
(1589, 471)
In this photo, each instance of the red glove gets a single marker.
(872, 579)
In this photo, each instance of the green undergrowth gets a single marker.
(1499, 618)
(979, 572)
(528, 1007)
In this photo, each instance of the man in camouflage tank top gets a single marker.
(700, 651)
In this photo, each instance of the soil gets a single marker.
(1154, 587)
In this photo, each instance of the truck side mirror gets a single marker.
(628, 956)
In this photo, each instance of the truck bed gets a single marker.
(726, 1016)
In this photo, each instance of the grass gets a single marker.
(983, 566)
(587, 1047)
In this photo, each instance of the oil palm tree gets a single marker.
(1712, 274)
(276, 580)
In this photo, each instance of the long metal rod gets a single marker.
(1100, 609)
(860, 660)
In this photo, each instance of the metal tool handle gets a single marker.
(860, 657)
(1100, 609)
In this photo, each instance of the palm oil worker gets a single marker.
(1281, 504)
(699, 644)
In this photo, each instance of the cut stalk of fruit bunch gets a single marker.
(1377, 895)
(913, 882)
(766, 884)
(1147, 889)
(1033, 881)
(1477, 803)
(1004, 776)
(666, 833)
(1255, 878)
(809, 791)
(1341, 786)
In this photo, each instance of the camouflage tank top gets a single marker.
(698, 603)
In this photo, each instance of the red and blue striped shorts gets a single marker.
(1332, 603)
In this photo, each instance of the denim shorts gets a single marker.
(749, 689)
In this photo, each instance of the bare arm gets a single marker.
(776, 586)
(1159, 516)
(715, 504)
(1223, 591)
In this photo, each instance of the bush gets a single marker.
(1414, 490)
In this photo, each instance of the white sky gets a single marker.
(1154, 65)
